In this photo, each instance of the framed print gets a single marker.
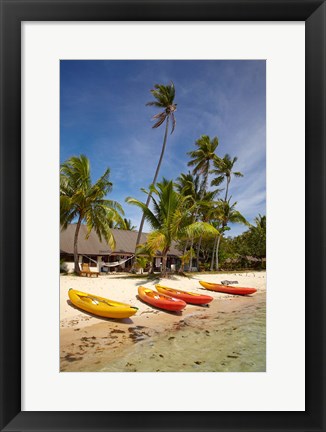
(44, 45)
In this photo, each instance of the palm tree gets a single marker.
(169, 219)
(201, 161)
(203, 156)
(164, 99)
(83, 201)
(189, 185)
(205, 209)
(226, 213)
(217, 225)
(223, 169)
(261, 222)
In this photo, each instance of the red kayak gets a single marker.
(188, 297)
(227, 289)
(161, 301)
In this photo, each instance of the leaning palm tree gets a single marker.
(82, 201)
(169, 219)
(223, 169)
(164, 99)
(201, 160)
(224, 214)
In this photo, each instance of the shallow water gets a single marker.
(229, 342)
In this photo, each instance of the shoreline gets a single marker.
(88, 342)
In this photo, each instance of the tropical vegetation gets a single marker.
(81, 201)
(192, 212)
(170, 219)
(247, 250)
(202, 157)
(163, 99)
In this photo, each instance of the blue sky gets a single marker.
(103, 115)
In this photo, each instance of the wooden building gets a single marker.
(101, 257)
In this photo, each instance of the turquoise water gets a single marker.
(229, 342)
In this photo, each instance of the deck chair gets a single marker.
(86, 271)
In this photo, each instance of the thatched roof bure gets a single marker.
(125, 242)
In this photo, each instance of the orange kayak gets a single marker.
(159, 300)
(188, 297)
(227, 289)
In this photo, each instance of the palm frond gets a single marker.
(149, 216)
(217, 181)
(164, 98)
(159, 115)
(111, 204)
(159, 122)
(154, 103)
(157, 241)
(199, 228)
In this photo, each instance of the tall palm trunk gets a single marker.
(182, 267)
(76, 264)
(154, 181)
(216, 251)
(213, 253)
(192, 245)
(164, 261)
(186, 247)
(198, 250)
(201, 198)
(228, 179)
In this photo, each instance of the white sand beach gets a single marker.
(87, 341)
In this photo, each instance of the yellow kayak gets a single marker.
(100, 306)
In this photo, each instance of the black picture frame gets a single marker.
(13, 13)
